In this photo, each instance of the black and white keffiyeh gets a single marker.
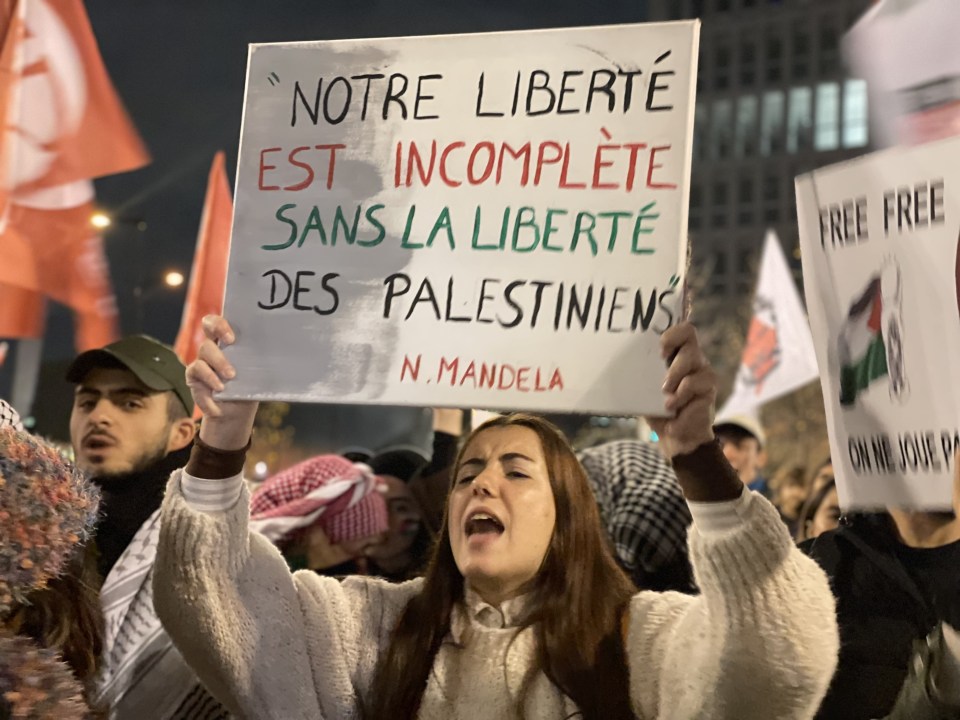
(9, 417)
(640, 500)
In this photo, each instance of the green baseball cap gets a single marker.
(155, 364)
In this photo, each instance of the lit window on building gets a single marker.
(721, 129)
(826, 134)
(746, 140)
(721, 68)
(855, 132)
(771, 123)
(748, 63)
(799, 119)
(774, 59)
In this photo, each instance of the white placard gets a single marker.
(879, 239)
(494, 220)
(907, 51)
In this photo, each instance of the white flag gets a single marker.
(778, 356)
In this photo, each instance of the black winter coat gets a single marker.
(881, 611)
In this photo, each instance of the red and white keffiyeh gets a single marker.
(341, 496)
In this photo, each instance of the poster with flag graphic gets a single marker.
(778, 356)
(880, 241)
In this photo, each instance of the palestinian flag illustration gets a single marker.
(871, 341)
(863, 356)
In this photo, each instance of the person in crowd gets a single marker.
(523, 610)
(65, 616)
(326, 496)
(51, 622)
(822, 476)
(896, 577)
(431, 482)
(821, 512)
(644, 512)
(789, 487)
(403, 553)
(744, 443)
(356, 454)
(130, 427)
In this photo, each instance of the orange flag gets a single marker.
(208, 277)
(11, 32)
(67, 122)
(62, 126)
(22, 312)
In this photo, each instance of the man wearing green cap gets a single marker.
(131, 426)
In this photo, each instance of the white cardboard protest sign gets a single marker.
(778, 355)
(879, 238)
(492, 221)
(907, 51)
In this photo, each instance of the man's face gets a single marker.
(118, 424)
(743, 453)
(405, 518)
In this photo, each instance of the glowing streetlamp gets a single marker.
(173, 279)
(101, 220)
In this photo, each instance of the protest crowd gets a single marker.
(505, 568)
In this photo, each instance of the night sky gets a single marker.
(179, 68)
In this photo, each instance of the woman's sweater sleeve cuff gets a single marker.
(713, 519)
(211, 496)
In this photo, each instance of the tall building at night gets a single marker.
(773, 101)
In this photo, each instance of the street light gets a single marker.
(173, 279)
(101, 220)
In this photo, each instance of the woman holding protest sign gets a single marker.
(523, 611)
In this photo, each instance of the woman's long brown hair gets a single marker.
(65, 616)
(579, 599)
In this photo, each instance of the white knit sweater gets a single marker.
(760, 643)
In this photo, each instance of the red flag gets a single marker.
(67, 122)
(62, 126)
(22, 312)
(95, 329)
(208, 277)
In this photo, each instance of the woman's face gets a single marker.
(501, 511)
(404, 516)
(827, 516)
(824, 475)
(790, 499)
